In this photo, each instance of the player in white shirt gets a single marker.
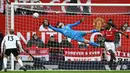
(43, 27)
(8, 46)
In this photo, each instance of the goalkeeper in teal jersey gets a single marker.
(73, 34)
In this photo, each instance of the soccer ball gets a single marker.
(35, 15)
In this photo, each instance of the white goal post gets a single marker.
(10, 21)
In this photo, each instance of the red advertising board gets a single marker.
(74, 54)
(92, 54)
(36, 52)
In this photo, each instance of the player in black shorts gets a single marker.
(8, 46)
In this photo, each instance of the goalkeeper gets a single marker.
(73, 34)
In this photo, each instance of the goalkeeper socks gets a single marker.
(20, 62)
(5, 62)
(93, 31)
(93, 44)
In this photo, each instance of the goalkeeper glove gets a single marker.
(82, 20)
(94, 31)
(127, 36)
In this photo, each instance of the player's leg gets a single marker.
(112, 56)
(104, 55)
(5, 62)
(79, 38)
(20, 62)
(6, 54)
(83, 33)
(15, 52)
(112, 53)
(111, 49)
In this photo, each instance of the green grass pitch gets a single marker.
(84, 71)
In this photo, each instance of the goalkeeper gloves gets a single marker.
(127, 36)
(82, 20)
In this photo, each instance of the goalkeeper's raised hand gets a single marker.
(127, 36)
(82, 20)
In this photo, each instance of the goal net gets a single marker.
(52, 50)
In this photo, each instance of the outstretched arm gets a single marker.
(55, 29)
(124, 34)
(20, 46)
(77, 23)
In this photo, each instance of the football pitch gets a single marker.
(74, 71)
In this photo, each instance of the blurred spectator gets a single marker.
(1, 58)
(36, 6)
(28, 10)
(44, 27)
(100, 40)
(65, 43)
(19, 10)
(35, 41)
(71, 10)
(52, 42)
(124, 26)
(87, 9)
(117, 35)
(82, 45)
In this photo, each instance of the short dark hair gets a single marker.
(11, 31)
(44, 20)
(111, 24)
(110, 20)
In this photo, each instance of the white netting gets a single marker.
(69, 56)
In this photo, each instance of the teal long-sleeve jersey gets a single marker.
(66, 30)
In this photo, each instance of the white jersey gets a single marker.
(10, 41)
(41, 28)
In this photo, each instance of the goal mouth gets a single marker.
(75, 55)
